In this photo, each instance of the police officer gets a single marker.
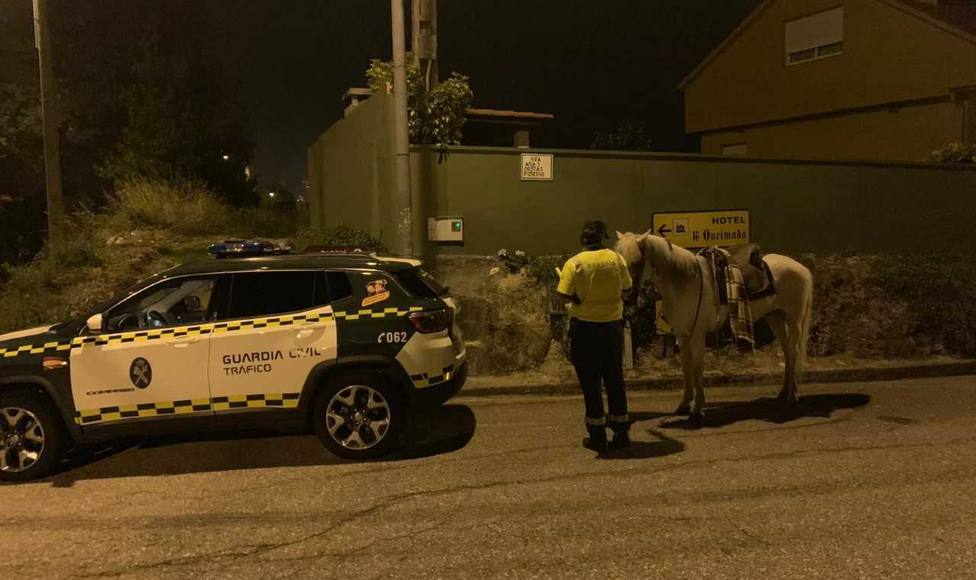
(596, 281)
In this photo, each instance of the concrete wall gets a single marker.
(796, 206)
(889, 55)
(897, 134)
(350, 171)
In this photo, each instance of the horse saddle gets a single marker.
(756, 275)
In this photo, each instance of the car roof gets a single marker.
(357, 261)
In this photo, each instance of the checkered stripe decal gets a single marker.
(204, 329)
(426, 380)
(216, 404)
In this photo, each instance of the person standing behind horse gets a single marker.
(596, 281)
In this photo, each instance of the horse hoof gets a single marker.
(683, 410)
(697, 418)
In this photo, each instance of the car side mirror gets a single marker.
(94, 323)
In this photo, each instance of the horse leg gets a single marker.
(698, 369)
(795, 357)
(777, 323)
(686, 369)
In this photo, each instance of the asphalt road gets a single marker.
(861, 480)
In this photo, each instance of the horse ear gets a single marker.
(620, 236)
(649, 232)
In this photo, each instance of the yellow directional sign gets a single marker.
(699, 229)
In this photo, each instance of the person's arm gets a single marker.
(626, 283)
(567, 282)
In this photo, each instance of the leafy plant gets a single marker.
(436, 114)
(627, 136)
(954, 153)
(20, 126)
(340, 235)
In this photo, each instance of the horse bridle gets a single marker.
(701, 284)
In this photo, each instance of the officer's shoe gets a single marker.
(621, 440)
(597, 441)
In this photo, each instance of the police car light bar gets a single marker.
(247, 248)
(337, 250)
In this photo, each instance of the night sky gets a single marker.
(591, 63)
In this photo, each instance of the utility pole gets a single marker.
(424, 39)
(401, 135)
(49, 120)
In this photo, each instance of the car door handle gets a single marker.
(185, 342)
(305, 333)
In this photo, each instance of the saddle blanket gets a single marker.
(730, 291)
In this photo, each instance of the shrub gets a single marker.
(940, 290)
(339, 235)
(954, 153)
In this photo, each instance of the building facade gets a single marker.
(839, 79)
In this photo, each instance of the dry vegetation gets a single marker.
(147, 227)
(882, 309)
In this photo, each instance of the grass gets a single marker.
(184, 208)
(146, 227)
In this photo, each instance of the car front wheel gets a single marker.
(32, 437)
(359, 415)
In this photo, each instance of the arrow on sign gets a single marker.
(663, 230)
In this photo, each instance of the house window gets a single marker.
(735, 149)
(816, 36)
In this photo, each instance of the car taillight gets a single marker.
(431, 321)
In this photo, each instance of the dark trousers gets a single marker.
(596, 350)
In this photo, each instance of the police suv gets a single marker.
(341, 344)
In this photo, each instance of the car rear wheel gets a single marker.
(359, 415)
(32, 437)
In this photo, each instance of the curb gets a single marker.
(853, 375)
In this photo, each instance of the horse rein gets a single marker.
(701, 289)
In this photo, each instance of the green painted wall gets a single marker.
(350, 171)
(795, 206)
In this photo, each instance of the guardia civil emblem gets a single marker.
(140, 373)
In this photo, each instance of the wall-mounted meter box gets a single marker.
(448, 229)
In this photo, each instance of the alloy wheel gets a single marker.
(22, 439)
(358, 417)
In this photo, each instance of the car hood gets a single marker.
(21, 337)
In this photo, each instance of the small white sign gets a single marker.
(536, 167)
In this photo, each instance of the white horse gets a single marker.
(687, 287)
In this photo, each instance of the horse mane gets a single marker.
(667, 258)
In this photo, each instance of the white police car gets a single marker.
(342, 344)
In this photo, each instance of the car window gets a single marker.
(173, 302)
(419, 283)
(339, 286)
(255, 294)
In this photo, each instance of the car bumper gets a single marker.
(442, 392)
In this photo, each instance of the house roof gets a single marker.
(956, 16)
(959, 14)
